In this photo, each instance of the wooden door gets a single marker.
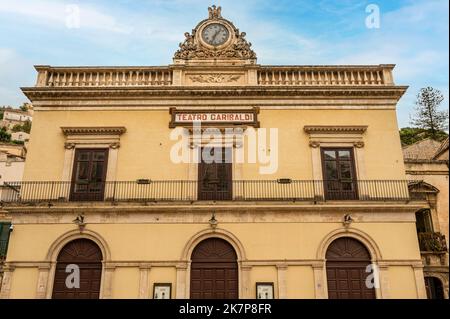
(339, 174)
(214, 271)
(215, 174)
(87, 256)
(347, 261)
(89, 175)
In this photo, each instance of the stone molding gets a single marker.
(67, 131)
(39, 93)
(335, 129)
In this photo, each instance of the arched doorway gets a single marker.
(347, 261)
(85, 254)
(435, 289)
(214, 270)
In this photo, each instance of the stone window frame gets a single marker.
(91, 137)
(337, 136)
(196, 143)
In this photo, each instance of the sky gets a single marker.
(413, 34)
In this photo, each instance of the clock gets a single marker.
(215, 34)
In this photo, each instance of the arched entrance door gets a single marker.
(214, 270)
(347, 261)
(88, 257)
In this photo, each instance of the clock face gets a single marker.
(215, 34)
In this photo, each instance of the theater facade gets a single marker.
(213, 177)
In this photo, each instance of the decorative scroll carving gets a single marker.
(314, 144)
(69, 146)
(359, 144)
(215, 78)
(192, 48)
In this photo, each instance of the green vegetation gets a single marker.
(409, 135)
(26, 127)
(428, 121)
(4, 135)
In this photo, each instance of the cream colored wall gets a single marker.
(11, 171)
(147, 146)
(266, 244)
(126, 283)
(300, 282)
(400, 283)
(23, 283)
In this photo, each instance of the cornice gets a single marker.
(93, 130)
(108, 93)
(335, 129)
(199, 207)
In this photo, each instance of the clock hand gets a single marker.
(215, 35)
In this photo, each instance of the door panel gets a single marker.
(214, 271)
(215, 174)
(88, 257)
(89, 175)
(347, 261)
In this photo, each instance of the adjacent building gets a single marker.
(215, 177)
(427, 161)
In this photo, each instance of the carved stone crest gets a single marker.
(215, 12)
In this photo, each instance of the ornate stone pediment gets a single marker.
(235, 46)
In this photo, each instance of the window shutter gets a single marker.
(4, 238)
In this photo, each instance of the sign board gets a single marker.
(162, 291)
(264, 290)
(209, 118)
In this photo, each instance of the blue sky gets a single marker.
(413, 34)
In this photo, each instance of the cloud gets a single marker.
(14, 69)
(61, 14)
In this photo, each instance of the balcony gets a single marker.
(432, 242)
(190, 191)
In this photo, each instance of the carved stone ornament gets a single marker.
(314, 144)
(69, 146)
(192, 48)
(114, 146)
(215, 12)
(215, 78)
(359, 144)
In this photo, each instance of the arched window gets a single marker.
(85, 255)
(435, 289)
(214, 270)
(347, 265)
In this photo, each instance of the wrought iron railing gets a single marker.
(432, 242)
(166, 191)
